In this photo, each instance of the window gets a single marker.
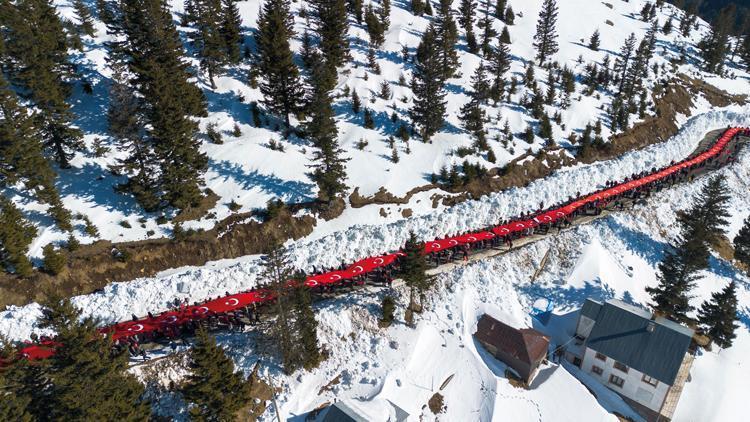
(621, 367)
(597, 370)
(601, 357)
(614, 379)
(650, 381)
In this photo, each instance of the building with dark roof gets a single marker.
(644, 358)
(352, 410)
(523, 350)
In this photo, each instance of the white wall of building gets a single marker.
(634, 387)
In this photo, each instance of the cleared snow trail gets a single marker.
(118, 301)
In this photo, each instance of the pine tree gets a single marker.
(231, 30)
(650, 40)
(54, 260)
(742, 244)
(388, 308)
(646, 12)
(375, 27)
(529, 76)
(671, 296)
(594, 41)
(545, 129)
(280, 84)
(498, 66)
(704, 223)
(505, 36)
(162, 78)
(356, 103)
(418, 7)
(488, 31)
(717, 317)
(329, 169)
(446, 37)
(510, 16)
(545, 39)
(428, 111)
(104, 10)
(528, 135)
(88, 380)
(500, 9)
(711, 209)
(84, 17)
(21, 158)
(689, 18)
(745, 51)
(277, 271)
(331, 26)
(15, 404)
(622, 63)
(36, 43)
(127, 127)
(355, 7)
(668, 26)
(715, 46)
(306, 327)
(635, 74)
(549, 97)
(413, 268)
(307, 52)
(24, 387)
(16, 234)
(208, 38)
(472, 113)
(385, 14)
(465, 19)
(215, 391)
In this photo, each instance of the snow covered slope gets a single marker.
(117, 301)
(407, 366)
(246, 171)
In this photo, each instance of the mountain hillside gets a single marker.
(257, 164)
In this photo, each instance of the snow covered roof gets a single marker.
(627, 334)
(525, 344)
(364, 411)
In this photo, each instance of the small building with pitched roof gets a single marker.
(523, 350)
(644, 358)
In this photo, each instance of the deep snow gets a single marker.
(118, 301)
(613, 257)
(246, 171)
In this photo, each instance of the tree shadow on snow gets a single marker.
(639, 243)
(289, 191)
(93, 183)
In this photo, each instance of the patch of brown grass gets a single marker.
(93, 266)
(723, 247)
(436, 404)
(208, 201)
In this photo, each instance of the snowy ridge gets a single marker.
(119, 300)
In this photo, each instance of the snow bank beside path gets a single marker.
(119, 300)
(361, 241)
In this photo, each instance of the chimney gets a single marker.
(650, 327)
